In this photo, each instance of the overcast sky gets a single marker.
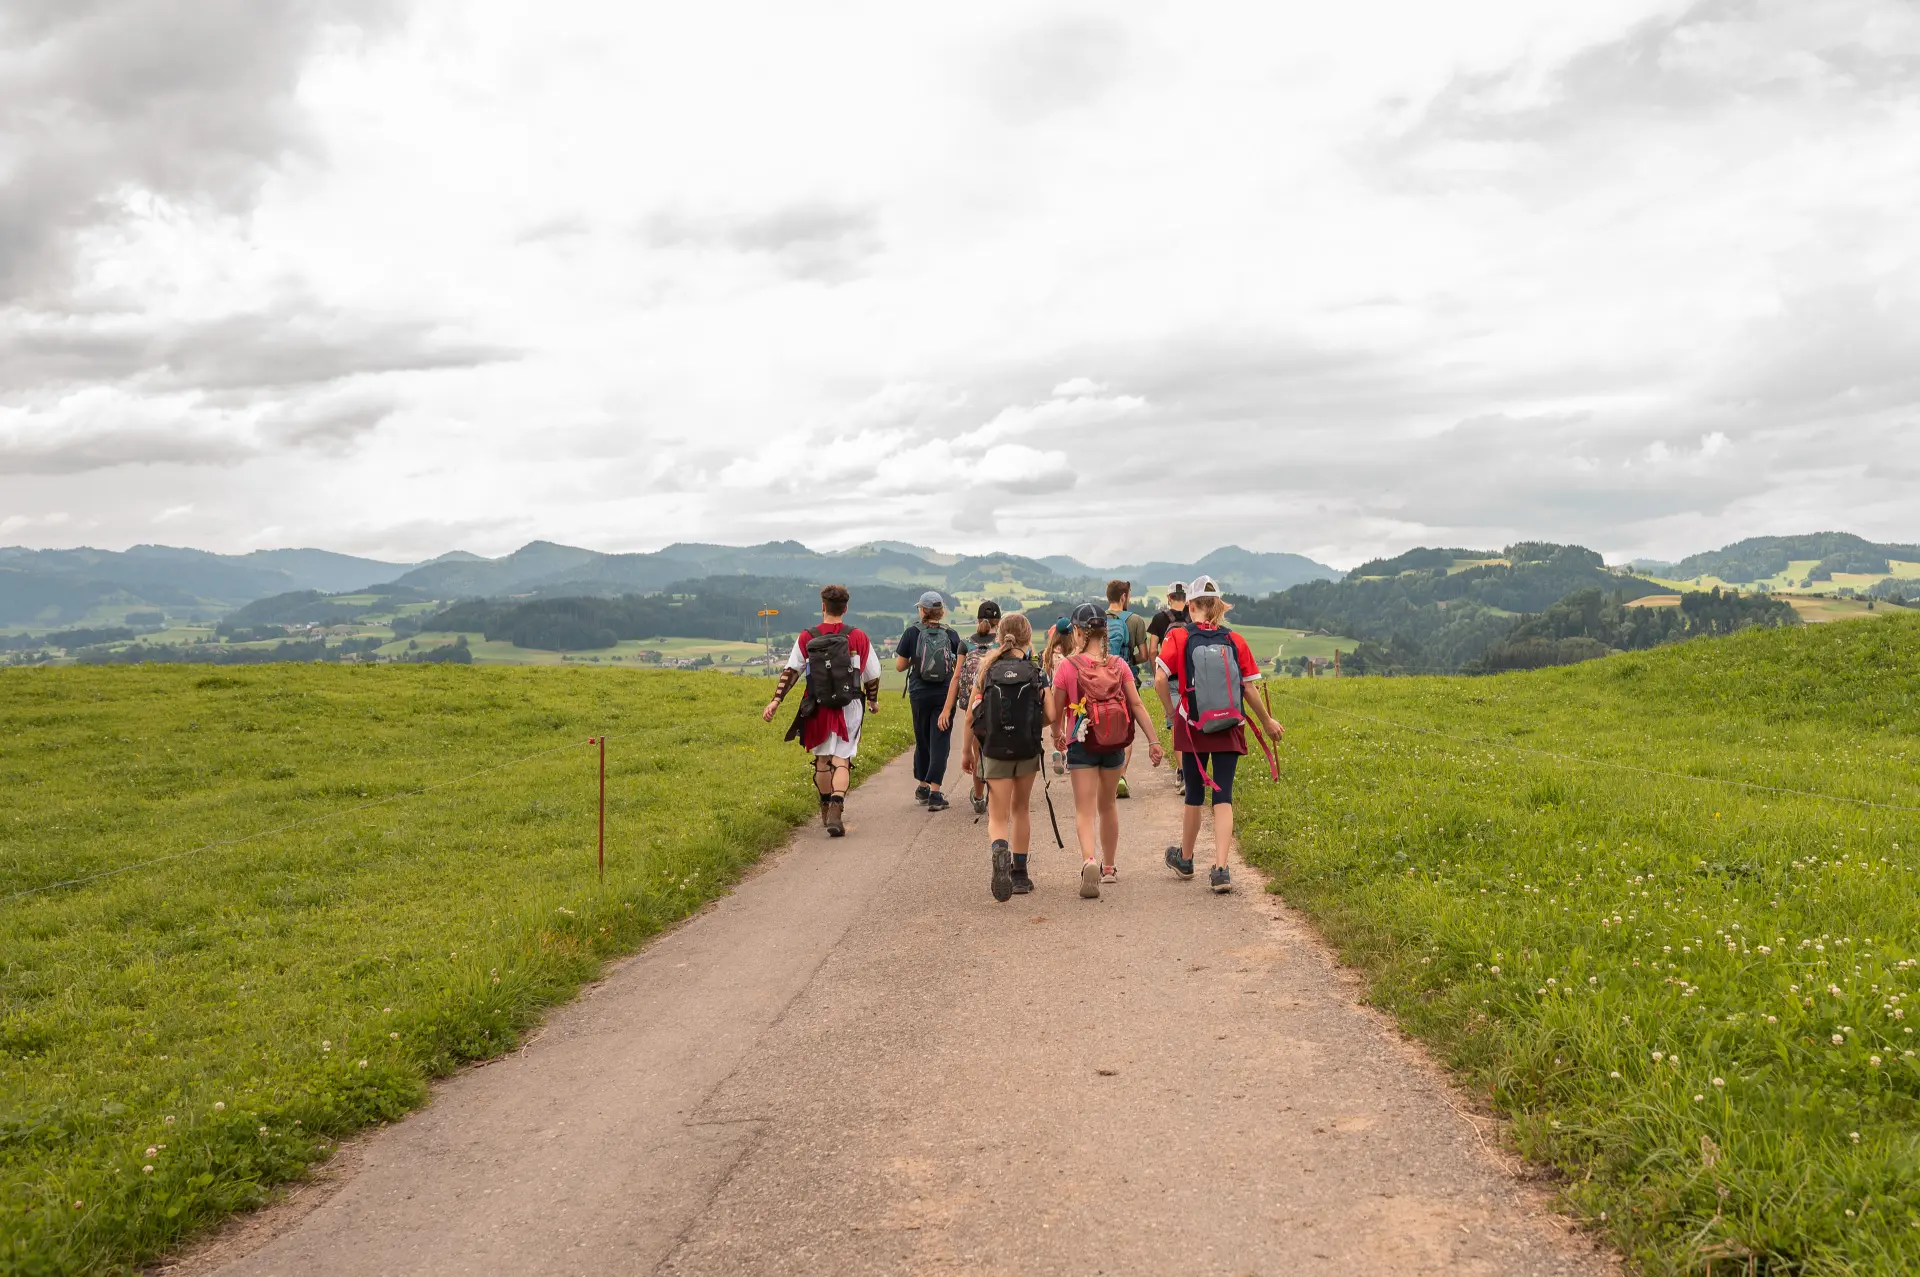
(1118, 280)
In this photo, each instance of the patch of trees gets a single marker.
(1590, 624)
(228, 632)
(1758, 557)
(454, 653)
(717, 608)
(71, 639)
(217, 654)
(1419, 559)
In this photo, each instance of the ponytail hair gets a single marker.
(1209, 609)
(1016, 635)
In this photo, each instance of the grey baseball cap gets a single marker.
(932, 599)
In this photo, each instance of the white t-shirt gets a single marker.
(835, 745)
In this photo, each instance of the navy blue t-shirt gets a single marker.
(909, 647)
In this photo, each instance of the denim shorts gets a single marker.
(1079, 758)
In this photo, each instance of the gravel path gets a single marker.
(859, 1063)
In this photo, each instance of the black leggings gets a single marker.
(1220, 767)
(929, 742)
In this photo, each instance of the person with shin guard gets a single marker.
(1095, 709)
(1127, 640)
(960, 686)
(1208, 672)
(841, 677)
(1007, 718)
(1171, 615)
(929, 652)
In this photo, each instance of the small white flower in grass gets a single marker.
(168, 1119)
(325, 1045)
(1493, 970)
(1593, 979)
(386, 1010)
(1658, 1056)
(152, 1151)
(363, 1064)
(1719, 1081)
(1837, 1039)
(1615, 1075)
(1772, 1020)
(1873, 1061)
(263, 1130)
(144, 1170)
(1849, 1214)
(1698, 1098)
(394, 1036)
(219, 1106)
(1854, 1136)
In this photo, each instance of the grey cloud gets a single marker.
(294, 344)
(1714, 54)
(815, 240)
(80, 452)
(332, 426)
(190, 100)
(1055, 65)
(562, 226)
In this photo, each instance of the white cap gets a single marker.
(1202, 587)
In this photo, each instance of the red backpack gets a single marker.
(1103, 690)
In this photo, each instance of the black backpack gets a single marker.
(1012, 714)
(833, 679)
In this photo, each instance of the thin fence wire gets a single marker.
(281, 829)
(1603, 762)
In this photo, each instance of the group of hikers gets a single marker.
(1072, 702)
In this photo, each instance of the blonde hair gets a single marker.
(1209, 610)
(1016, 634)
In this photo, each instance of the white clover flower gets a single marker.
(263, 1130)
(1719, 1081)
(1772, 1020)
(1837, 1039)
(1873, 1061)
(1493, 970)
(152, 1151)
(1854, 1136)
(219, 1106)
(1658, 1056)
(363, 1064)
(144, 1170)
(394, 1036)
(168, 1119)
(325, 1045)
(1615, 1075)
(1698, 1098)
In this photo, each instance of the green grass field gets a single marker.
(1266, 641)
(223, 1016)
(1694, 999)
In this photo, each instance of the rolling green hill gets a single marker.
(1604, 895)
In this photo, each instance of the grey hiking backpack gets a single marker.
(1212, 680)
(936, 656)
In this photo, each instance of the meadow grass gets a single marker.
(179, 1037)
(1694, 999)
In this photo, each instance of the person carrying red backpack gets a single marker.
(1207, 672)
(1095, 708)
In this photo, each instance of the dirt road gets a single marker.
(860, 1063)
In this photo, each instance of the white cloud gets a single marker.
(947, 265)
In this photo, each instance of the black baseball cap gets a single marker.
(1088, 614)
(988, 611)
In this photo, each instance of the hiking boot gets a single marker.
(979, 804)
(1220, 879)
(833, 815)
(1002, 871)
(937, 801)
(1179, 864)
(1120, 790)
(1090, 880)
(921, 793)
(1059, 760)
(1022, 883)
(824, 800)
(1109, 874)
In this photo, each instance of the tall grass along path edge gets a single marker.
(1602, 762)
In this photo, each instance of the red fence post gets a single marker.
(603, 809)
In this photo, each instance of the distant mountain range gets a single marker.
(65, 587)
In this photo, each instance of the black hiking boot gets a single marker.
(1002, 871)
(1220, 880)
(937, 801)
(1022, 884)
(1180, 865)
(921, 792)
(833, 813)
